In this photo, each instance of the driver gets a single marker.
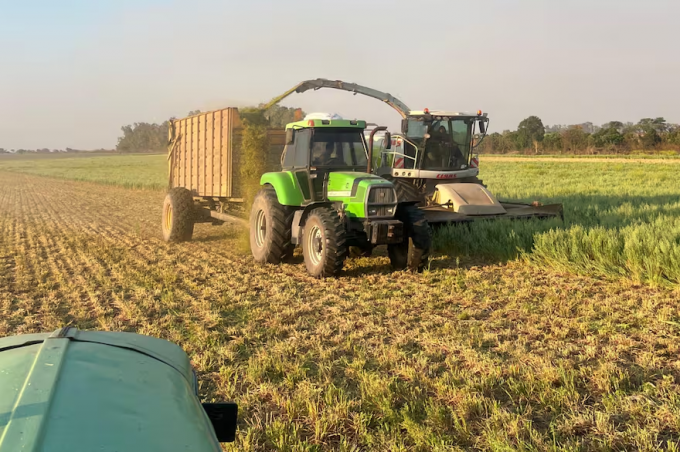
(325, 157)
(443, 135)
(436, 149)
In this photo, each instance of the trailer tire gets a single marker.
(178, 215)
(419, 234)
(324, 243)
(270, 228)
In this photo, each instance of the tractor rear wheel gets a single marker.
(324, 243)
(419, 235)
(178, 215)
(270, 228)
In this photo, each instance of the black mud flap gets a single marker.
(223, 417)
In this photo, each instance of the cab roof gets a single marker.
(328, 123)
(443, 113)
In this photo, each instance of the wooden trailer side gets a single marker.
(205, 154)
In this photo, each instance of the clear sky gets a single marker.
(72, 72)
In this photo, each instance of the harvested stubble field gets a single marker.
(497, 347)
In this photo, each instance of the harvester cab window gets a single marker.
(448, 146)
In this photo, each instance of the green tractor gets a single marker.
(326, 200)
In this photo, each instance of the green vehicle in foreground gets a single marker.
(86, 391)
(326, 200)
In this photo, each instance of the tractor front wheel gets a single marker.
(270, 228)
(178, 215)
(324, 243)
(419, 235)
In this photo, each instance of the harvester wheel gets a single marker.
(324, 243)
(178, 215)
(270, 228)
(407, 192)
(419, 235)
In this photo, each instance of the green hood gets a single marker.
(99, 391)
(351, 184)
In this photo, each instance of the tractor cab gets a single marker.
(317, 147)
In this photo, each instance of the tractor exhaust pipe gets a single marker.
(388, 145)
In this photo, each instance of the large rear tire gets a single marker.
(324, 243)
(270, 228)
(418, 233)
(407, 191)
(178, 215)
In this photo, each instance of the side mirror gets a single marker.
(388, 140)
(482, 127)
(404, 126)
(290, 136)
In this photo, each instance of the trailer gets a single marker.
(204, 178)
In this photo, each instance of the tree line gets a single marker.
(531, 136)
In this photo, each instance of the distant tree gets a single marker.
(530, 131)
(143, 137)
(194, 112)
(574, 139)
(3, 151)
(618, 125)
(658, 124)
(674, 136)
(496, 143)
(589, 127)
(650, 137)
(607, 138)
(552, 142)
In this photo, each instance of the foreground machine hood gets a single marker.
(100, 391)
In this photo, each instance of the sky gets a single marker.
(72, 72)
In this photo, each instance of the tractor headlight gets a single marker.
(390, 211)
(372, 211)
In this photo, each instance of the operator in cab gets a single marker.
(441, 152)
(322, 154)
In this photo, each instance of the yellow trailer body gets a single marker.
(205, 153)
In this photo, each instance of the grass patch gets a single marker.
(620, 219)
(130, 171)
